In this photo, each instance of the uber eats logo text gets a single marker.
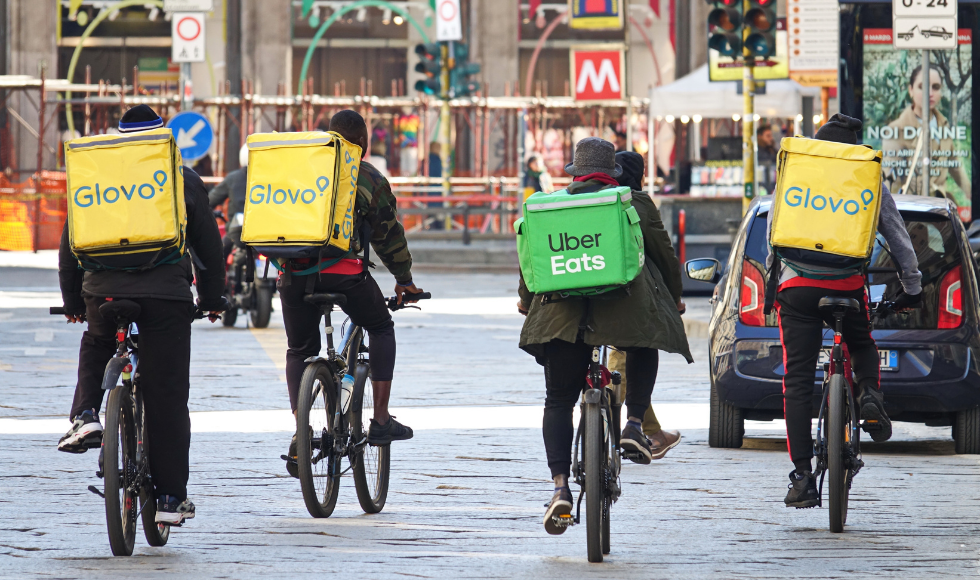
(563, 242)
(265, 193)
(85, 196)
(796, 197)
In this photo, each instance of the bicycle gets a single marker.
(597, 469)
(837, 445)
(127, 485)
(251, 294)
(331, 422)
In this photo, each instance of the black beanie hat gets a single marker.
(139, 118)
(840, 129)
(632, 164)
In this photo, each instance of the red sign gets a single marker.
(598, 74)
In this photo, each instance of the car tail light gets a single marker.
(951, 299)
(752, 296)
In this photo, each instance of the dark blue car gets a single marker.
(930, 371)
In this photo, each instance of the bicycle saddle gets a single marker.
(324, 299)
(122, 312)
(833, 303)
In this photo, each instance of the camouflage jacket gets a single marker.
(376, 205)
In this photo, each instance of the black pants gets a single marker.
(365, 306)
(565, 368)
(164, 364)
(801, 332)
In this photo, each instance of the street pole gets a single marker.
(926, 117)
(186, 87)
(748, 132)
(444, 129)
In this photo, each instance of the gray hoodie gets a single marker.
(892, 227)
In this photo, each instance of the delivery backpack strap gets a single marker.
(772, 282)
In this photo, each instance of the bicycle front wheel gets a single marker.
(837, 425)
(319, 476)
(372, 463)
(119, 472)
(595, 493)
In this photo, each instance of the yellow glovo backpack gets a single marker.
(126, 200)
(825, 209)
(301, 194)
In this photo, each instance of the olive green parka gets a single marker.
(644, 314)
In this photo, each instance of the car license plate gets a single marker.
(888, 359)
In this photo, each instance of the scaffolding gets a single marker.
(492, 139)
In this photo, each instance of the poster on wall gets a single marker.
(893, 111)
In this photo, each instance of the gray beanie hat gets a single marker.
(594, 155)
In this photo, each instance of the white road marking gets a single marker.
(43, 335)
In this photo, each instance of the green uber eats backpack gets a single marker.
(579, 245)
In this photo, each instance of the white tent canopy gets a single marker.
(696, 95)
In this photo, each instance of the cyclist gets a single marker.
(661, 251)
(639, 320)
(801, 329)
(232, 188)
(377, 212)
(167, 308)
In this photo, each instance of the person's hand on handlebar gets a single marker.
(520, 307)
(905, 302)
(214, 314)
(73, 318)
(406, 291)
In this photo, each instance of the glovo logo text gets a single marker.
(265, 193)
(796, 197)
(85, 196)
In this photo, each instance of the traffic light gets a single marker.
(725, 27)
(462, 69)
(430, 64)
(760, 22)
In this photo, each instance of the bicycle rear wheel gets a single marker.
(119, 472)
(837, 425)
(156, 534)
(315, 457)
(595, 493)
(372, 464)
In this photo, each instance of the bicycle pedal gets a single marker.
(96, 491)
(287, 459)
(563, 520)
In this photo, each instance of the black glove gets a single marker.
(904, 301)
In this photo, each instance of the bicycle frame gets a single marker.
(598, 393)
(839, 365)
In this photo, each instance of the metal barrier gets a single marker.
(33, 212)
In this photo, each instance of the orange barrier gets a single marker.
(33, 213)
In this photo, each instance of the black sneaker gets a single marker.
(292, 466)
(875, 422)
(802, 490)
(172, 511)
(636, 447)
(85, 434)
(391, 431)
(559, 514)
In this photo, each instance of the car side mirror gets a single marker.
(703, 270)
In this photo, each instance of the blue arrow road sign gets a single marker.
(193, 133)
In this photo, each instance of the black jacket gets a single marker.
(233, 188)
(167, 281)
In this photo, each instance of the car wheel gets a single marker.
(966, 431)
(725, 426)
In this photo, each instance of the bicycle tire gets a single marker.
(592, 464)
(156, 534)
(262, 312)
(230, 316)
(320, 487)
(119, 443)
(836, 471)
(372, 464)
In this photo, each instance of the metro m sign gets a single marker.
(598, 74)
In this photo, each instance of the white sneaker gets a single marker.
(172, 511)
(85, 434)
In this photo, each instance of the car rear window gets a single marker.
(936, 248)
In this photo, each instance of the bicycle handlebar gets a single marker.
(393, 304)
(55, 310)
(886, 307)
